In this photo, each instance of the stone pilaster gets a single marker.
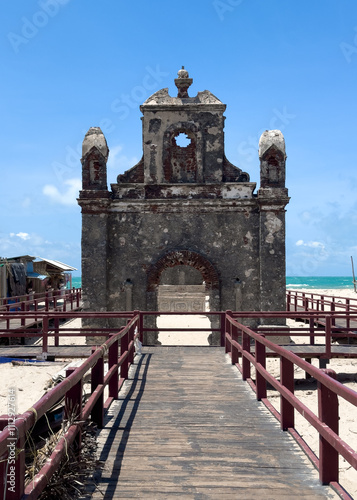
(94, 201)
(272, 199)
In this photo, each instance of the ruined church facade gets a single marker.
(184, 215)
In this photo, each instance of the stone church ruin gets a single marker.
(183, 229)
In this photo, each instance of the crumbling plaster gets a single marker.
(183, 206)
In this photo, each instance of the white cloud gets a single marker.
(311, 244)
(12, 245)
(23, 236)
(64, 198)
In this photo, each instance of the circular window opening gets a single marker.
(182, 140)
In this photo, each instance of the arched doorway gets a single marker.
(184, 281)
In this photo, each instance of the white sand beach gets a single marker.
(32, 381)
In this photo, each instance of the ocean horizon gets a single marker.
(292, 282)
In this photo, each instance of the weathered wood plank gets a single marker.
(29, 351)
(186, 426)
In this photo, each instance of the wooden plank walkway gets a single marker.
(315, 351)
(31, 351)
(339, 322)
(187, 426)
(80, 351)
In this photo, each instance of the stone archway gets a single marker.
(210, 284)
(183, 258)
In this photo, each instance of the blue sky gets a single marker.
(72, 64)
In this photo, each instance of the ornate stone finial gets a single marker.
(272, 159)
(183, 82)
(270, 138)
(95, 137)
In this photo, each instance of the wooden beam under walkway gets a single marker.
(187, 426)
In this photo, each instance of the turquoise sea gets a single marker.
(293, 282)
(319, 282)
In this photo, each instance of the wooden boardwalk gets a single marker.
(80, 351)
(187, 426)
(31, 351)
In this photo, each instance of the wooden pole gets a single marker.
(353, 274)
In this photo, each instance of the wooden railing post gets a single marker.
(97, 378)
(288, 300)
(56, 326)
(113, 360)
(23, 309)
(305, 302)
(287, 380)
(333, 308)
(234, 349)
(312, 329)
(245, 361)
(223, 329)
(124, 369)
(141, 327)
(328, 414)
(73, 407)
(45, 334)
(260, 357)
(348, 312)
(228, 329)
(328, 321)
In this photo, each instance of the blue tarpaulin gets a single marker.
(32, 274)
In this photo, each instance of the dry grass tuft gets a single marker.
(69, 481)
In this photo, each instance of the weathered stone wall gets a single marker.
(183, 207)
(141, 239)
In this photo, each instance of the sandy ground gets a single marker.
(346, 371)
(29, 382)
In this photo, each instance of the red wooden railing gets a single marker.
(58, 300)
(13, 436)
(238, 344)
(307, 301)
(237, 339)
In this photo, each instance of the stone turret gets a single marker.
(95, 153)
(94, 200)
(272, 199)
(272, 159)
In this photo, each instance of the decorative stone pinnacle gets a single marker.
(183, 82)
